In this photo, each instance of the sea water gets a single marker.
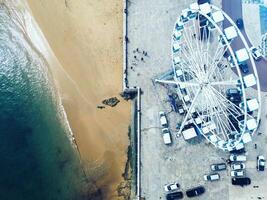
(37, 160)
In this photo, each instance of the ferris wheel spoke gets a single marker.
(192, 68)
(189, 44)
(187, 69)
(230, 82)
(191, 58)
(177, 82)
(217, 114)
(231, 106)
(215, 61)
(225, 111)
(189, 110)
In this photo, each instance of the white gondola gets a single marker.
(251, 124)
(246, 137)
(176, 47)
(179, 73)
(249, 80)
(230, 33)
(241, 55)
(205, 8)
(217, 16)
(252, 104)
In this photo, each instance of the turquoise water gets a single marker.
(37, 160)
(263, 18)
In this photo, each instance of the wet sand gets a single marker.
(86, 37)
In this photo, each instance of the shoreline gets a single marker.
(104, 165)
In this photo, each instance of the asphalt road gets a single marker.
(234, 9)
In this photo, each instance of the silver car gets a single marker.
(237, 173)
(212, 177)
(238, 166)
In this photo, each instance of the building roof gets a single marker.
(189, 133)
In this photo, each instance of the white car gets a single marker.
(237, 173)
(255, 53)
(163, 119)
(166, 136)
(171, 187)
(238, 166)
(212, 177)
(260, 163)
(240, 158)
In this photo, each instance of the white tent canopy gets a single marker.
(189, 133)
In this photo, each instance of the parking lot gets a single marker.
(150, 27)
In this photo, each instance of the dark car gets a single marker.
(203, 1)
(195, 191)
(218, 167)
(174, 196)
(244, 68)
(241, 181)
(239, 23)
(234, 95)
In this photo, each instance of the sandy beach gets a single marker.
(86, 38)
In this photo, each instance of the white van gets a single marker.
(166, 136)
(163, 119)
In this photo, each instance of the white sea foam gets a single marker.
(22, 17)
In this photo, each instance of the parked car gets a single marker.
(237, 173)
(233, 92)
(239, 151)
(244, 68)
(171, 187)
(195, 191)
(239, 23)
(218, 167)
(256, 54)
(203, 1)
(234, 95)
(241, 181)
(212, 177)
(166, 136)
(260, 163)
(175, 195)
(240, 158)
(163, 119)
(238, 166)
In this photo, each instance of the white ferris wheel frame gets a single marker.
(235, 62)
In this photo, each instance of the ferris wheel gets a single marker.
(216, 84)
